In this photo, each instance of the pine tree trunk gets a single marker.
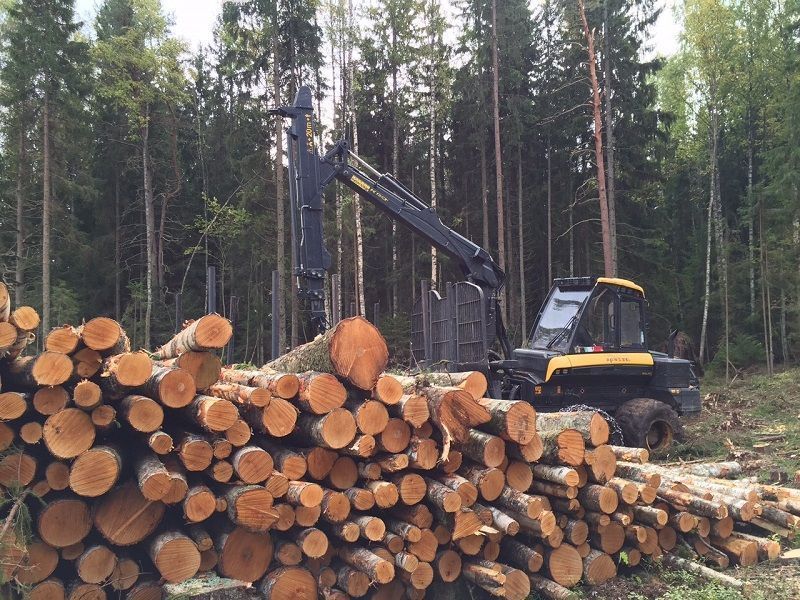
(46, 202)
(498, 159)
(279, 198)
(484, 195)
(609, 128)
(605, 224)
(521, 250)
(359, 254)
(117, 248)
(20, 198)
(750, 215)
(149, 217)
(395, 169)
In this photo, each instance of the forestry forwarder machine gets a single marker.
(588, 345)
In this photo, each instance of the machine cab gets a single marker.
(587, 315)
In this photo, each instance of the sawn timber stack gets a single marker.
(322, 475)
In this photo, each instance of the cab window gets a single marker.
(598, 326)
(631, 324)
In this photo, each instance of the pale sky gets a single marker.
(194, 21)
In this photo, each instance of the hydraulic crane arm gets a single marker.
(310, 174)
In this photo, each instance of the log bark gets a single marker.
(334, 430)
(282, 385)
(376, 568)
(289, 583)
(563, 447)
(209, 332)
(512, 420)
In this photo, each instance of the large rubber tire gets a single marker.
(648, 423)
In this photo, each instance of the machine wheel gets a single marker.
(648, 423)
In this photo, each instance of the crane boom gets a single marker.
(310, 174)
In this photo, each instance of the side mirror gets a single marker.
(671, 343)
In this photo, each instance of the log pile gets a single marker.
(321, 475)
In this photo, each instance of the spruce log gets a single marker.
(286, 460)
(64, 339)
(105, 335)
(334, 430)
(412, 408)
(239, 433)
(252, 464)
(362, 446)
(395, 437)
(530, 506)
(626, 490)
(422, 453)
(12, 405)
(512, 420)
(484, 448)
(8, 337)
(693, 504)
(489, 480)
(601, 462)
(278, 418)
(360, 499)
(204, 367)
(598, 567)
(17, 470)
(94, 472)
(454, 411)
(411, 487)
(86, 363)
(320, 393)
(175, 556)
(250, 506)
(598, 498)
(212, 414)
(304, 493)
(681, 563)
(385, 493)
(68, 433)
(31, 432)
(153, 478)
(312, 541)
(30, 372)
(563, 447)
(741, 552)
(49, 400)
(282, 385)
(352, 349)
(123, 372)
(352, 581)
(473, 382)
(194, 452)
(38, 563)
(466, 490)
(209, 332)
(141, 413)
(387, 390)
(289, 583)
(592, 426)
(96, 564)
(124, 517)
(371, 416)
(376, 568)
(370, 528)
(344, 473)
(64, 522)
(335, 506)
(198, 505)
(241, 395)
(171, 386)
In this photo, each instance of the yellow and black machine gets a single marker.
(588, 346)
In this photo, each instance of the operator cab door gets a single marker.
(612, 321)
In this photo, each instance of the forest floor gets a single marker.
(756, 421)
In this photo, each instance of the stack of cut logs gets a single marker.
(320, 475)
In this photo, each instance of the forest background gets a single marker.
(130, 164)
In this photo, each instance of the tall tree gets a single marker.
(43, 58)
(139, 72)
